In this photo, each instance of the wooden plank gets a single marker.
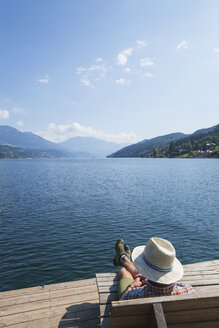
(108, 283)
(74, 299)
(20, 308)
(205, 324)
(73, 308)
(201, 282)
(73, 291)
(77, 312)
(129, 321)
(108, 289)
(85, 324)
(107, 274)
(201, 296)
(105, 322)
(108, 279)
(105, 310)
(139, 322)
(26, 298)
(200, 271)
(207, 264)
(63, 305)
(14, 319)
(73, 318)
(193, 315)
(200, 277)
(24, 291)
(70, 284)
(39, 289)
(55, 323)
(158, 317)
(181, 317)
(40, 323)
(107, 298)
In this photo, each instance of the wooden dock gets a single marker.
(71, 304)
(82, 303)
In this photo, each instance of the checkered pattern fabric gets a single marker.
(150, 291)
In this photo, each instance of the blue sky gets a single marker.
(119, 70)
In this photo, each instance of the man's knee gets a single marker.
(123, 273)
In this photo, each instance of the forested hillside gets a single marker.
(142, 148)
(202, 143)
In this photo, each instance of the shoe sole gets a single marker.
(119, 241)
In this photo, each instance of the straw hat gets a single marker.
(157, 261)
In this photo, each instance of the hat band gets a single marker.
(154, 267)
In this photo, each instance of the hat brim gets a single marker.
(161, 277)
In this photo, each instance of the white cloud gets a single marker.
(20, 123)
(183, 45)
(122, 81)
(7, 100)
(96, 68)
(141, 43)
(4, 114)
(91, 74)
(127, 69)
(44, 80)
(84, 81)
(98, 60)
(19, 110)
(122, 57)
(149, 75)
(59, 133)
(92, 68)
(216, 49)
(80, 70)
(146, 62)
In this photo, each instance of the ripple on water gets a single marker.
(60, 219)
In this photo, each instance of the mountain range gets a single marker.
(16, 144)
(94, 146)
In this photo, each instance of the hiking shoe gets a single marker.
(128, 251)
(121, 249)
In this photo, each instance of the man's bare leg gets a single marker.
(123, 273)
(129, 270)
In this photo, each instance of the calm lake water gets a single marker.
(59, 219)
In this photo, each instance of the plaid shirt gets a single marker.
(150, 291)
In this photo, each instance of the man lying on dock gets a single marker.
(154, 271)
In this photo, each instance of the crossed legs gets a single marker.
(128, 269)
